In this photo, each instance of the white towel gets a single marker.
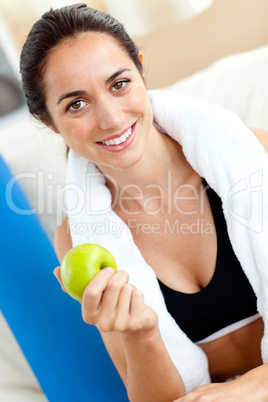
(224, 151)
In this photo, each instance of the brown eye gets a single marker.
(76, 105)
(119, 85)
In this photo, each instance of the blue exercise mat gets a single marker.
(67, 356)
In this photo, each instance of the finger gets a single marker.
(142, 316)
(112, 292)
(56, 272)
(125, 299)
(137, 304)
(58, 276)
(138, 311)
(93, 292)
(122, 313)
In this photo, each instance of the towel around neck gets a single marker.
(225, 152)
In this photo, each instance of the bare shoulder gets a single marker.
(62, 239)
(262, 136)
(112, 340)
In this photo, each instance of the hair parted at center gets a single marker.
(52, 29)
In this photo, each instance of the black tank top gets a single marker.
(227, 299)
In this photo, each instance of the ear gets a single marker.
(140, 56)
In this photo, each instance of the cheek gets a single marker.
(138, 101)
(72, 134)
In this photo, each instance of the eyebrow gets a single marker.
(82, 93)
(70, 95)
(116, 74)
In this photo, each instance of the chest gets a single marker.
(203, 284)
(179, 241)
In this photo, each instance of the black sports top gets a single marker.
(227, 299)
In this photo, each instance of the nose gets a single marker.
(109, 114)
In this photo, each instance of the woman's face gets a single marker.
(97, 100)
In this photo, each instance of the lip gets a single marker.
(119, 147)
(116, 135)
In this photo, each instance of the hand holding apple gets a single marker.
(81, 264)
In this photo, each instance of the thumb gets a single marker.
(57, 275)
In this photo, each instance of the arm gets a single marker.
(129, 330)
(252, 386)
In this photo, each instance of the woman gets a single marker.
(83, 78)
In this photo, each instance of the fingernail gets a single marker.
(110, 269)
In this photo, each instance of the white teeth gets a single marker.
(120, 140)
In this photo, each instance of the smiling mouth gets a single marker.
(119, 140)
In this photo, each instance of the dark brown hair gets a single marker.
(48, 32)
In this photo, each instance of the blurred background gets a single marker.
(192, 32)
(213, 49)
(178, 37)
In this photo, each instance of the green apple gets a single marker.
(81, 264)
